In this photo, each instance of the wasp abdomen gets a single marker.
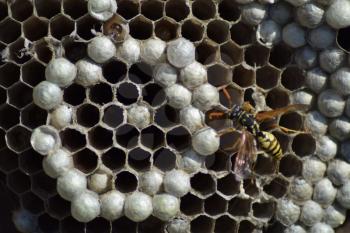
(269, 143)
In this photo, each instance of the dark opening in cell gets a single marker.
(61, 26)
(85, 160)
(72, 139)
(139, 159)
(113, 115)
(141, 28)
(166, 29)
(74, 94)
(290, 166)
(277, 98)
(43, 52)
(9, 116)
(291, 120)
(101, 93)
(280, 56)
(21, 9)
(99, 224)
(153, 94)
(215, 205)
(250, 187)
(126, 182)
(177, 9)
(292, 78)
(229, 10)
(263, 210)
(84, 26)
(225, 224)
(58, 207)
(218, 31)
(127, 136)
(9, 74)
(123, 225)
(246, 227)
(164, 159)
(48, 224)
(203, 9)
(114, 159)
(152, 137)
(192, 30)
(203, 183)
(243, 76)
(218, 161)
(140, 73)
(30, 161)
(206, 52)
(219, 75)
(43, 185)
(304, 144)
(35, 28)
(264, 165)
(166, 116)
(236, 96)
(18, 138)
(88, 115)
(127, 93)
(231, 54)
(152, 9)
(242, 34)
(343, 38)
(256, 55)
(277, 187)
(32, 203)
(8, 160)
(75, 8)
(114, 71)
(128, 9)
(74, 51)
(12, 29)
(202, 224)
(267, 77)
(239, 207)
(70, 225)
(47, 8)
(191, 205)
(151, 225)
(33, 73)
(3, 10)
(32, 116)
(18, 51)
(101, 138)
(20, 94)
(18, 181)
(228, 185)
(178, 138)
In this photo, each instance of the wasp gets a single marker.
(252, 136)
(116, 28)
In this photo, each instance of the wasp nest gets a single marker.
(104, 106)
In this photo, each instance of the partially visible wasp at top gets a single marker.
(116, 28)
(251, 134)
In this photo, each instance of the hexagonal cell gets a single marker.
(304, 144)
(152, 9)
(246, 226)
(228, 185)
(84, 26)
(280, 56)
(239, 206)
(235, 93)
(256, 55)
(277, 98)
(166, 29)
(30, 161)
(139, 159)
(114, 159)
(35, 28)
(124, 225)
(32, 203)
(32, 116)
(203, 9)
(152, 137)
(225, 224)
(100, 225)
(58, 207)
(231, 54)
(3, 10)
(21, 10)
(74, 94)
(126, 182)
(140, 73)
(166, 116)
(70, 225)
(128, 9)
(250, 187)
(218, 162)
(178, 138)
(42, 52)
(20, 94)
(264, 165)
(100, 138)
(202, 224)
(229, 10)
(276, 227)
(290, 165)
(88, 115)
(48, 224)
(127, 93)
(61, 26)
(291, 120)
(206, 52)
(267, 77)
(75, 8)
(113, 116)
(242, 34)
(153, 94)
(18, 138)
(215, 205)
(203, 183)
(191, 205)
(151, 225)
(72, 139)
(127, 136)
(192, 30)
(43, 185)
(177, 9)
(12, 29)
(101, 93)
(164, 159)
(18, 181)
(9, 74)
(85, 160)
(219, 75)
(141, 28)
(8, 160)
(264, 210)
(277, 187)
(243, 76)
(33, 73)
(10, 116)
(114, 71)
(47, 8)
(292, 78)
(74, 50)
(218, 31)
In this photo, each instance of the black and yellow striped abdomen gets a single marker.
(269, 143)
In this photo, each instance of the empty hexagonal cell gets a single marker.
(43, 53)
(203, 9)
(18, 138)
(235, 94)
(166, 116)
(177, 9)
(32, 116)
(72, 139)
(225, 224)
(84, 26)
(100, 225)
(277, 187)
(202, 224)
(152, 9)
(12, 29)
(304, 144)
(114, 71)
(242, 34)
(292, 78)
(291, 120)
(141, 28)
(290, 165)
(18, 181)
(191, 204)
(47, 8)
(35, 28)
(74, 94)
(127, 93)
(264, 165)
(243, 76)
(219, 75)
(74, 50)
(220, 161)
(61, 26)
(192, 30)
(113, 115)
(128, 9)
(140, 73)
(246, 226)
(229, 10)
(178, 138)
(75, 8)
(10, 116)
(264, 210)
(124, 225)
(218, 31)
(139, 159)
(203, 183)
(151, 225)
(43, 185)
(256, 55)
(85, 160)
(239, 206)
(153, 94)
(228, 185)
(250, 187)
(70, 225)
(127, 136)
(164, 159)
(30, 161)
(32, 203)
(206, 52)
(20, 94)
(8, 160)
(9, 74)
(152, 137)
(114, 159)
(88, 115)
(267, 77)
(166, 29)
(215, 205)
(231, 54)
(276, 227)
(277, 98)
(58, 207)
(3, 10)
(280, 56)
(33, 73)
(100, 138)
(101, 93)
(126, 182)
(48, 224)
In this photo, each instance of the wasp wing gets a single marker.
(270, 115)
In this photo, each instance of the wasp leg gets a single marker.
(284, 129)
(248, 107)
(227, 95)
(226, 131)
(215, 115)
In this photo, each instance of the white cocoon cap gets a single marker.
(153, 51)
(178, 96)
(177, 183)
(102, 9)
(61, 116)
(89, 73)
(45, 139)
(139, 116)
(192, 118)
(101, 49)
(85, 206)
(205, 97)
(60, 71)
(193, 75)
(165, 206)
(206, 141)
(165, 74)
(181, 52)
(294, 35)
(99, 182)
(71, 183)
(57, 163)
(151, 182)
(112, 205)
(338, 14)
(47, 95)
(138, 206)
(287, 212)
